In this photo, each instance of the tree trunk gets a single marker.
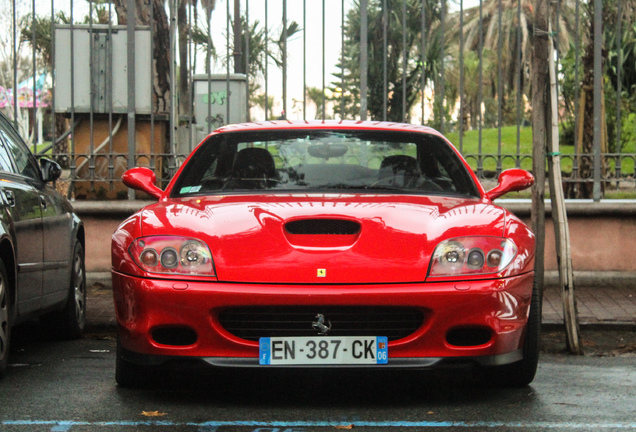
(184, 92)
(585, 146)
(161, 51)
(539, 122)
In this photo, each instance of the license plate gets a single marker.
(321, 350)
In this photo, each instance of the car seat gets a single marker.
(399, 171)
(254, 168)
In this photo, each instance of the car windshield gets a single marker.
(328, 161)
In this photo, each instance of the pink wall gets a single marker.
(598, 243)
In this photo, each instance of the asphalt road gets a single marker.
(69, 386)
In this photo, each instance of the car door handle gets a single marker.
(43, 202)
(10, 197)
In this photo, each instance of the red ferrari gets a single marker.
(326, 244)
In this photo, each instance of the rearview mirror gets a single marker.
(142, 179)
(326, 150)
(511, 180)
(51, 170)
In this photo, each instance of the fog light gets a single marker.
(149, 257)
(452, 254)
(193, 254)
(494, 258)
(169, 258)
(475, 259)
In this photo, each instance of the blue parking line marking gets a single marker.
(212, 426)
(62, 427)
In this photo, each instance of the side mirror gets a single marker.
(142, 179)
(51, 170)
(511, 180)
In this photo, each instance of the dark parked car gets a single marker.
(41, 246)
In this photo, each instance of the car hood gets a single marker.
(335, 238)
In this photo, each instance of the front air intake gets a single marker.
(252, 323)
(468, 336)
(174, 335)
(323, 226)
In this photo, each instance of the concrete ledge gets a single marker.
(122, 208)
(522, 207)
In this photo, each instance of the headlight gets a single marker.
(172, 255)
(472, 256)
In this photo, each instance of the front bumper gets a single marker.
(499, 307)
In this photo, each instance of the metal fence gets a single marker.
(104, 87)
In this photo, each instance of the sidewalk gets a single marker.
(604, 306)
(609, 305)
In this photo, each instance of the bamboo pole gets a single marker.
(559, 216)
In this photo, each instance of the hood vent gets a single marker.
(323, 226)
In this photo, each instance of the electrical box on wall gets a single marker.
(211, 100)
(99, 58)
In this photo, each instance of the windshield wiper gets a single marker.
(365, 187)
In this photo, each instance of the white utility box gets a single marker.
(109, 69)
(211, 101)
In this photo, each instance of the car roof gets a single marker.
(327, 124)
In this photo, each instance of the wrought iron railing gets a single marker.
(453, 66)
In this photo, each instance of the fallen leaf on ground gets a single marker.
(153, 414)
(626, 348)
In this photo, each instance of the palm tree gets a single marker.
(259, 100)
(37, 31)
(43, 36)
(472, 102)
(503, 32)
(315, 95)
(418, 63)
(255, 43)
(625, 72)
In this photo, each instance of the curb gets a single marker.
(103, 278)
(594, 279)
(592, 326)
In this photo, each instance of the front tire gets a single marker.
(69, 323)
(522, 373)
(128, 374)
(5, 319)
